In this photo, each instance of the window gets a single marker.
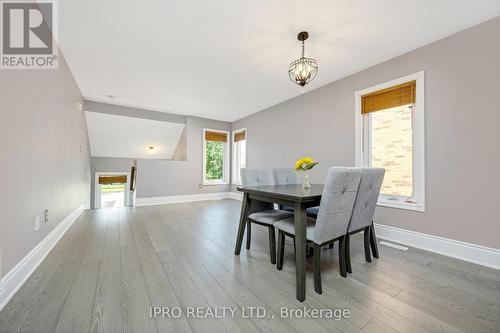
(390, 135)
(239, 154)
(215, 157)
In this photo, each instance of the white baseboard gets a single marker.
(18, 275)
(182, 198)
(236, 195)
(477, 254)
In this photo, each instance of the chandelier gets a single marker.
(303, 70)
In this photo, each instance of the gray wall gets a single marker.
(180, 153)
(462, 118)
(45, 159)
(156, 178)
(120, 110)
(111, 164)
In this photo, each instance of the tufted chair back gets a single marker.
(339, 194)
(285, 176)
(366, 200)
(257, 177)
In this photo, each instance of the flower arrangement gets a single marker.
(305, 164)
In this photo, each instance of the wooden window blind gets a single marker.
(107, 180)
(391, 97)
(240, 136)
(215, 136)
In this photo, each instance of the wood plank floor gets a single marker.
(114, 264)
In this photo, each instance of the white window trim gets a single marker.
(97, 188)
(227, 160)
(233, 164)
(418, 139)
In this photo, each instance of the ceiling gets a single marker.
(227, 59)
(120, 136)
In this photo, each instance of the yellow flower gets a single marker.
(301, 163)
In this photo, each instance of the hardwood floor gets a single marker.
(114, 264)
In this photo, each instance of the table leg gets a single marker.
(245, 205)
(300, 255)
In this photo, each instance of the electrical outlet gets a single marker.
(37, 223)
(46, 216)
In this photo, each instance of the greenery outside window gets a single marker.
(215, 157)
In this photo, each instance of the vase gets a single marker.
(305, 183)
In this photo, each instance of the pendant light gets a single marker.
(303, 70)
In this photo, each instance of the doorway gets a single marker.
(112, 190)
(112, 195)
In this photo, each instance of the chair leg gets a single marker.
(272, 245)
(342, 266)
(330, 245)
(348, 253)
(281, 249)
(317, 269)
(249, 233)
(309, 250)
(294, 248)
(368, 255)
(373, 242)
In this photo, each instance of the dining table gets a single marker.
(291, 195)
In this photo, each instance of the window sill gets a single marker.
(215, 183)
(402, 205)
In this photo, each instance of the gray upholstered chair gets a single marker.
(363, 211)
(335, 211)
(262, 213)
(285, 176)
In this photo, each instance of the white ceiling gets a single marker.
(227, 59)
(120, 136)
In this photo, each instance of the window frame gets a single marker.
(225, 163)
(417, 201)
(235, 172)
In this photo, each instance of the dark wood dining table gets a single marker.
(288, 195)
